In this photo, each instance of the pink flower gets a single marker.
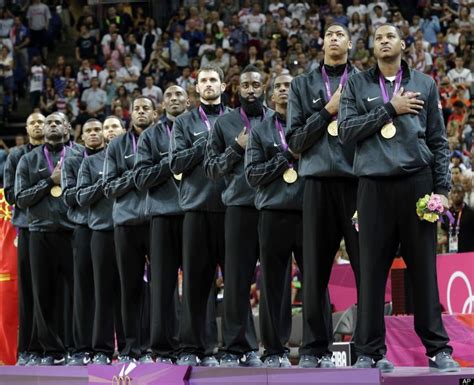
(440, 208)
(432, 206)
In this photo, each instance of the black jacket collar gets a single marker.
(375, 71)
(337, 70)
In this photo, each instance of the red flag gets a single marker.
(8, 286)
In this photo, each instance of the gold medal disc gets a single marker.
(290, 176)
(332, 128)
(178, 176)
(389, 130)
(56, 191)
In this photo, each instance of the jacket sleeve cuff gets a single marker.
(441, 191)
(288, 156)
(390, 109)
(237, 148)
(325, 115)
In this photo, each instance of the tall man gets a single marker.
(271, 168)
(203, 225)
(37, 187)
(83, 308)
(152, 175)
(330, 189)
(131, 230)
(90, 194)
(392, 115)
(225, 158)
(27, 349)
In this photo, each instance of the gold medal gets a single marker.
(332, 128)
(290, 176)
(56, 191)
(178, 176)
(389, 130)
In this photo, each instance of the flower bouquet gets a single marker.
(430, 208)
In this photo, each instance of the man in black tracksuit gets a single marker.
(90, 195)
(270, 167)
(203, 225)
(28, 349)
(152, 175)
(393, 116)
(131, 228)
(225, 158)
(83, 307)
(37, 187)
(330, 189)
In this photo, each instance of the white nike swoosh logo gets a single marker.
(198, 133)
(128, 156)
(100, 172)
(316, 100)
(275, 144)
(42, 169)
(370, 99)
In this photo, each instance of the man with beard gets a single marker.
(37, 187)
(330, 188)
(27, 348)
(392, 115)
(131, 228)
(203, 224)
(225, 159)
(152, 175)
(270, 168)
(83, 311)
(90, 195)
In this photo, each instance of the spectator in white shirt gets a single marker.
(298, 10)
(185, 80)
(461, 77)
(254, 21)
(85, 75)
(112, 46)
(274, 6)
(361, 9)
(105, 73)
(136, 51)
(378, 18)
(152, 91)
(129, 74)
(6, 23)
(179, 48)
(38, 16)
(420, 59)
(95, 99)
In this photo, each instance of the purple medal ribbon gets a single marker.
(49, 158)
(327, 85)
(383, 87)
(168, 129)
(205, 119)
(134, 143)
(284, 144)
(246, 120)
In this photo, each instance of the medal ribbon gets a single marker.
(327, 85)
(134, 143)
(246, 120)
(284, 144)
(205, 119)
(49, 158)
(383, 87)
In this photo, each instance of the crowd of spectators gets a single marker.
(125, 53)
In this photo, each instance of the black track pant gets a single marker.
(203, 250)
(83, 309)
(25, 293)
(166, 239)
(328, 207)
(51, 263)
(241, 254)
(107, 315)
(281, 236)
(131, 246)
(387, 217)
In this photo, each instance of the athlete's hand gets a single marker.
(56, 175)
(407, 103)
(243, 138)
(333, 105)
